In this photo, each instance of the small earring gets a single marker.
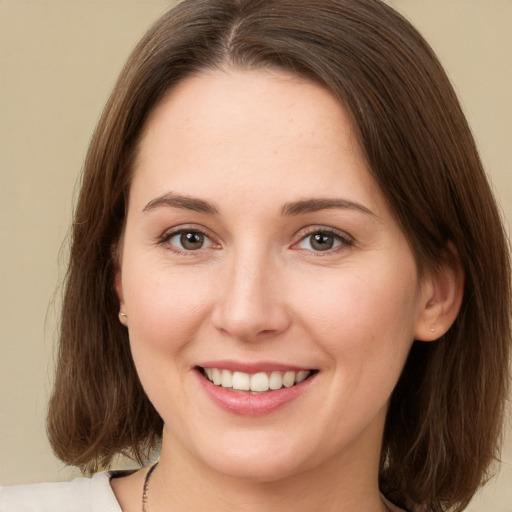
(123, 314)
(431, 329)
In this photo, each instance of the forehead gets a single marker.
(255, 101)
(243, 129)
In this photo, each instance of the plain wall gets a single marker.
(58, 62)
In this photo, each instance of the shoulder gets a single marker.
(80, 495)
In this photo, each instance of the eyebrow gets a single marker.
(317, 204)
(184, 202)
(289, 209)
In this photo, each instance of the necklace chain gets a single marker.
(145, 490)
(146, 487)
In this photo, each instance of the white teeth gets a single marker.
(241, 381)
(301, 376)
(216, 376)
(257, 382)
(288, 379)
(226, 379)
(276, 380)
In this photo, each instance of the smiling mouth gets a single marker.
(255, 383)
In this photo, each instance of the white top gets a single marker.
(80, 495)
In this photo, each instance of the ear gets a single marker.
(442, 294)
(116, 254)
(118, 284)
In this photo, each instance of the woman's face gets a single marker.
(258, 252)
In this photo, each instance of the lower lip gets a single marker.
(245, 404)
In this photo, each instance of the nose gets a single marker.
(251, 305)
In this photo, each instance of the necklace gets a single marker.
(146, 486)
(145, 489)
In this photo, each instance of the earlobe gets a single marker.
(123, 317)
(443, 291)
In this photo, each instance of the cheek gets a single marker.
(165, 311)
(165, 307)
(364, 318)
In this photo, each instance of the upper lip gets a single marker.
(252, 367)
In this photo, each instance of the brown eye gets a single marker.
(189, 240)
(322, 241)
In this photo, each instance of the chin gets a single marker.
(258, 459)
(263, 470)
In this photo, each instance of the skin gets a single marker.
(249, 143)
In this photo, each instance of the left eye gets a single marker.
(189, 240)
(321, 241)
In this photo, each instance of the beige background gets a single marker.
(58, 62)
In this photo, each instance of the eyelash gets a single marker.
(167, 237)
(343, 239)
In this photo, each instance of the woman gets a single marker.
(287, 274)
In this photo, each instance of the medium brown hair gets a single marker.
(445, 416)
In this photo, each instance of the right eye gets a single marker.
(188, 240)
